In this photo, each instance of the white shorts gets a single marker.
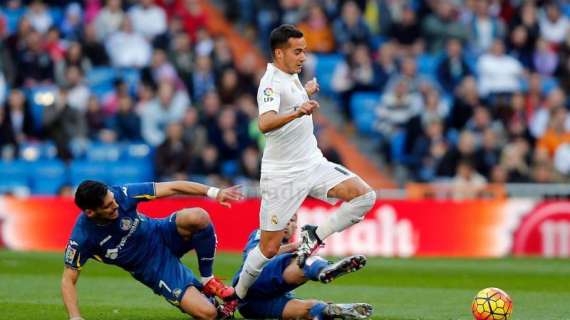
(283, 194)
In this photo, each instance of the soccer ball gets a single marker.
(492, 304)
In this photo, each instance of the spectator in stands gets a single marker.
(498, 72)
(73, 57)
(172, 157)
(545, 59)
(161, 70)
(527, 18)
(417, 83)
(250, 165)
(35, 66)
(229, 86)
(39, 16)
(541, 117)
(228, 139)
(442, 25)
(467, 183)
(520, 47)
(194, 133)
(515, 159)
(557, 133)
(480, 122)
(356, 73)
(95, 118)
(127, 48)
(148, 19)
(317, 31)
(8, 143)
(484, 28)
(562, 160)
(182, 58)
(53, 44)
(17, 40)
(465, 149)
(207, 164)
(488, 154)
(109, 19)
(92, 48)
(71, 25)
(428, 151)
(385, 63)
(453, 68)
(63, 124)
(77, 91)
(406, 32)
(169, 106)
(17, 121)
(193, 17)
(126, 122)
(499, 175)
(110, 102)
(553, 25)
(203, 78)
(350, 28)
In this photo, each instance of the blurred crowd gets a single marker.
(184, 97)
(471, 91)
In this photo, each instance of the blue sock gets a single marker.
(313, 267)
(317, 310)
(205, 245)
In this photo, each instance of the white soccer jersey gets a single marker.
(293, 147)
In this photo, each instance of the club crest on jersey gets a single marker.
(268, 95)
(274, 219)
(177, 292)
(126, 224)
(70, 254)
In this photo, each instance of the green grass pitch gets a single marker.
(397, 288)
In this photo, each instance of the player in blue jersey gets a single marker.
(271, 296)
(111, 231)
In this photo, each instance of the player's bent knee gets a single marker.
(195, 218)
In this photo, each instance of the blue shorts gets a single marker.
(171, 277)
(269, 294)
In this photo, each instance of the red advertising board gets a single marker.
(391, 228)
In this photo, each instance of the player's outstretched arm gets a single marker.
(270, 120)
(223, 196)
(69, 292)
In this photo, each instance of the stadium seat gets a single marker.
(12, 18)
(427, 64)
(38, 151)
(130, 172)
(40, 97)
(14, 176)
(101, 80)
(398, 148)
(230, 168)
(48, 176)
(135, 151)
(324, 70)
(131, 77)
(98, 151)
(80, 170)
(362, 105)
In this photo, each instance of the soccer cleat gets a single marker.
(227, 310)
(216, 287)
(310, 242)
(348, 311)
(342, 267)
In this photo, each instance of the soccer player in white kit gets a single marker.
(293, 167)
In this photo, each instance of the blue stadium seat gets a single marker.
(35, 151)
(80, 170)
(427, 64)
(98, 151)
(48, 176)
(398, 147)
(324, 71)
(56, 14)
(130, 172)
(101, 80)
(14, 175)
(135, 151)
(131, 77)
(230, 168)
(362, 105)
(12, 18)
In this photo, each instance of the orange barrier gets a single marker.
(446, 191)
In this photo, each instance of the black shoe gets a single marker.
(310, 242)
(230, 306)
(342, 267)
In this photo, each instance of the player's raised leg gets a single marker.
(358, 199)
(197, 305)
(194, 225)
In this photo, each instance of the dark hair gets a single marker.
(90, 194)
(280, 35)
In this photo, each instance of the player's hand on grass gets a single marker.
(312, 87)
(308, 107)
(226, 195)
(76, 318)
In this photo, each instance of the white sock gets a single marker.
(205, 280)
(252, 267)
(349, 213)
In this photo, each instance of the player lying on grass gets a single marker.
(271, 296)
(112, 231)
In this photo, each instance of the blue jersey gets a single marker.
(125, 242)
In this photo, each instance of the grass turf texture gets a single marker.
(397, 288)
